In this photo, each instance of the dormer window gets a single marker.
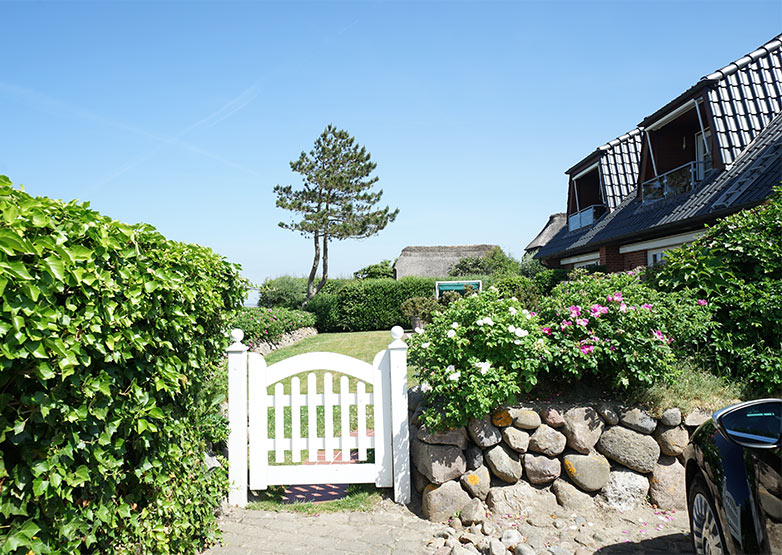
(585, 201)
(679, 153)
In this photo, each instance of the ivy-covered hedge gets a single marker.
(269, 324)
(111, 337)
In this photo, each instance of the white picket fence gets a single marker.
(248, 381)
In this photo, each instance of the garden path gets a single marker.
(390, 529)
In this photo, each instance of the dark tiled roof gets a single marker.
(745, 96)
(748, 181)
(619, 162)
(552, 227)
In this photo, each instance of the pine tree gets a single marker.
(336, 200)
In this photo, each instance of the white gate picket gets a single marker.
(387, 401)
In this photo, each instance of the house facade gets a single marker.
(711, 151)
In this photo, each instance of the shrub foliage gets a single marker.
(484, 349)
(269, 324)
(112, 335)
(736, 266)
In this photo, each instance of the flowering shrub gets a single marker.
(475, 355)
(269, 324)
(484, 349)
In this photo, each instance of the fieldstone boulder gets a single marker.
(638, 420)
(473, 512)
(671, 417)
(525, 419)
(516, 439)
(502, 417)
(625, 489)
(582, 429)
(504, 463)
(520, 498)
(541, 469)
(438, 463)
(552, 417)
(631, 449)
(419, 480)
(474, 457)
(452, 436)
(672, 440)
(523, 549)
(589, 472)
(548, 441)
(483, 432)
(608, 413)
(696, 418)
(569, 496)
(667, 489)
(414, 397)
(477, 482)
(440, 502)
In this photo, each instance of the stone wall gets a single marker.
(287, 339)
(612, 455)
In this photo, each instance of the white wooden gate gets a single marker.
(248, 381)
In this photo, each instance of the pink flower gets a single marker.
(618, 296)
(612, 348)
(702, 302)
(647, 306)
(565, 323)
(660, 337)
(623, 307)
(547, 331)
(586, 349)
(598, 310)
(575, 311)
(582, 321)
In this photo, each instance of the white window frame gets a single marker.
(582, 260)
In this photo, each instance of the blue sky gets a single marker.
(185, 115)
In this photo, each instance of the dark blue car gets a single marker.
(734, 480)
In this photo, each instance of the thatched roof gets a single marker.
(435, 261)
(555, 223)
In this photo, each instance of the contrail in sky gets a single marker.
(59, 107)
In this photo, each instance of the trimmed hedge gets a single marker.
(269, 324)
(111, 338)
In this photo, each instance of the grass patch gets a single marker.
(359, 498)
(696, 388)
(361, 345)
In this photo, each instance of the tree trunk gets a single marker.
(311, 280)
(325, 264)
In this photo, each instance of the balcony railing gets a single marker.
(585, 217)
(676, 181)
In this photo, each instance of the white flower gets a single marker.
(479, 322)
(512, 310)
(521, 333)
(450, 368)
(451, 333)
(425, 345)
(455, 325)
(513, 299)
(455, 376)
(526, 314)
(483, 366)
(488, 321)
(492, 288)
(425, 387)
(419, 330)
(541, 342)
(517, 342)
(512, 328)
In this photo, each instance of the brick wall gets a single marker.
(635, 259)
(611, 259)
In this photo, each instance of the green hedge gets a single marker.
(111, 337)
(269, 324)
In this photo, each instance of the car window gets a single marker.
(761, 422)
